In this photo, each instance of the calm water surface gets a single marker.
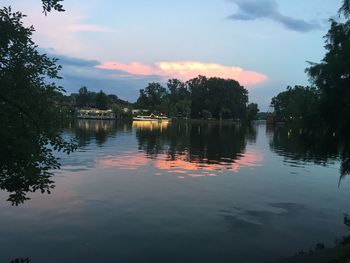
(180, 193)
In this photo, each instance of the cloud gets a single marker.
(249, 10)
(77, 72)
(67, 31)
(125, 80)
(72, 61)
(186, 70)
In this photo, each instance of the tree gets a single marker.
(30, 117)
(48, 5)
(345, 8)
(252, 111)
(227, 99)
(199, 96)
(83, 98)
(223, 98)
(297, 104)
(102, 101)
(332, 75)
(179, 98)
(152, 97)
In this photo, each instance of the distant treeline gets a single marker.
(199, 98)
(90, 99)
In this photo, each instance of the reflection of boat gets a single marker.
(150, 125)
(152, 118)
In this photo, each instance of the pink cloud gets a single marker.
(132, 68)
(60, 30)
(186, 70)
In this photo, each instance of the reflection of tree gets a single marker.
(26, 166)
(318, 146)
(21, 260)
(100, 130)
(200, 143)
(215, 143)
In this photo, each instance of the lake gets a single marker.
(182, 192)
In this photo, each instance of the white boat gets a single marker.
(152, 118)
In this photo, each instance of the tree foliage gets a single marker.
(199, 98)
(153, 97)
(102, 101)
(179, 98)
(84, 98)
(49, 5)
(332, 75)
(90, 99)
(345, 8)
(297, 104)
(222, 98)
(252, 111)
(327, 103)
(30, 116)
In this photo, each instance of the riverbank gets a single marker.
(329, 255)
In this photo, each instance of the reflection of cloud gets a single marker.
(124, 162)
(186, 70)
(268, 9)
(181, 166)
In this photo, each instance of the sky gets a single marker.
(120, 46)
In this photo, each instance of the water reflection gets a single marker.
(21, 260)
(202, 185)
(99, 130)
(319, 147)
(182, 149)
(150, 125)
(204, 143)
(188, 150)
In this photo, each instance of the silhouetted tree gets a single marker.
(102, 101)
(152, 97)
(297, 104)
(223, 98)
(48, 5)
(345, 8)
(199, 96)
(332, 75)
(179, 98)
(31, 117)
(83, 98)
(202, 98)
(252, 111)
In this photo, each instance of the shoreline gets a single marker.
(327, 255)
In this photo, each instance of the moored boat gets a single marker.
(152, 117)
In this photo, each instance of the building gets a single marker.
(96, 114)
